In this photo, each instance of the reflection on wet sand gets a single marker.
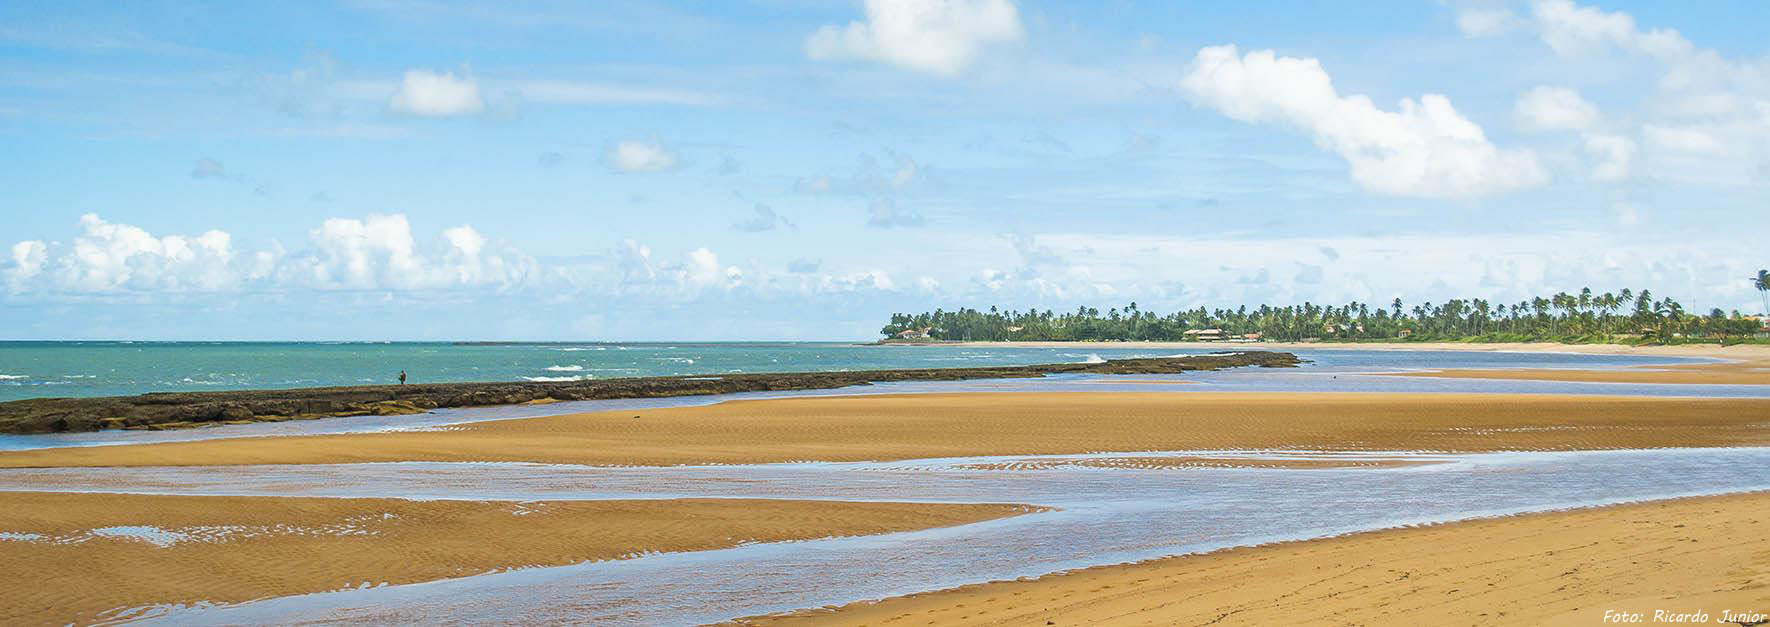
(75, 557)
(1102, 513)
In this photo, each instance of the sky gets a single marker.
(787, 169)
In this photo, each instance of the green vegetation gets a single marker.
(1620, 317)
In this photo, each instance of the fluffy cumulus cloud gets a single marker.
(631, 269)
(28, 258)
(426, 93)
(1425, 148)
(641, 156)
(106, 257)
(942, 37)
(1550, 108)
(378, 252)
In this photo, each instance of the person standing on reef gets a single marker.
(402, 377)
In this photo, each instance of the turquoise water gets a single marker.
(42, 369)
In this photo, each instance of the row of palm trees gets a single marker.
(1583, 316)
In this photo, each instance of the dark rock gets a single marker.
(180, 409)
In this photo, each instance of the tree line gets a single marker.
(1583, 317)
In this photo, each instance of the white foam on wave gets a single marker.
(1094, 358)
(571, 368)
(556, 379)
(680, 360)
(12, 377)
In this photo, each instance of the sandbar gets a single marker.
(1561, 568)
(1746, 372)
(73, 557)
(896, 427)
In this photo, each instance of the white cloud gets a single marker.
(632, 269)
(28, 258)
(378, 252)
(1485, 21)
(702, 269)
(108, 257)
(1570, 28)
(365, 253)
(1615, 154)
(941, 37)
(1551, 108)
(641, 156)
(1424, 149)
(430, 94)
(1683, 140)
(1705, 120)
(464, 240)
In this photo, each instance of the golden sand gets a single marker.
(1168, 462)
(947, 425)
(1563, 568)
(1735, 351)
(1752, 372)
(234, 549)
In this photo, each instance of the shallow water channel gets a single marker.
(1106, 509)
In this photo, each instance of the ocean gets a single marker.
(96, 368)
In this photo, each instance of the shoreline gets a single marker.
(912, 426)
(1732, 351)
(191, 409)
(1550, 567)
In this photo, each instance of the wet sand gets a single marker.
(1736, 351)
(1746, 372)
(233, 549)
(899, 427)
(1561, 568)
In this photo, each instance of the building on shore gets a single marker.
(1204, 335)
(913, 334)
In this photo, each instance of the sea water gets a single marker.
(42, 369)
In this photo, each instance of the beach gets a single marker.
(97, 552)
(1734, 351)
(197, 537)
(1680, 557)
(893, 427)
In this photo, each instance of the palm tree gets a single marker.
(1762, 282)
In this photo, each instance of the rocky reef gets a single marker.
(171, 410)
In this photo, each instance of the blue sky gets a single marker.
(775, 169)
